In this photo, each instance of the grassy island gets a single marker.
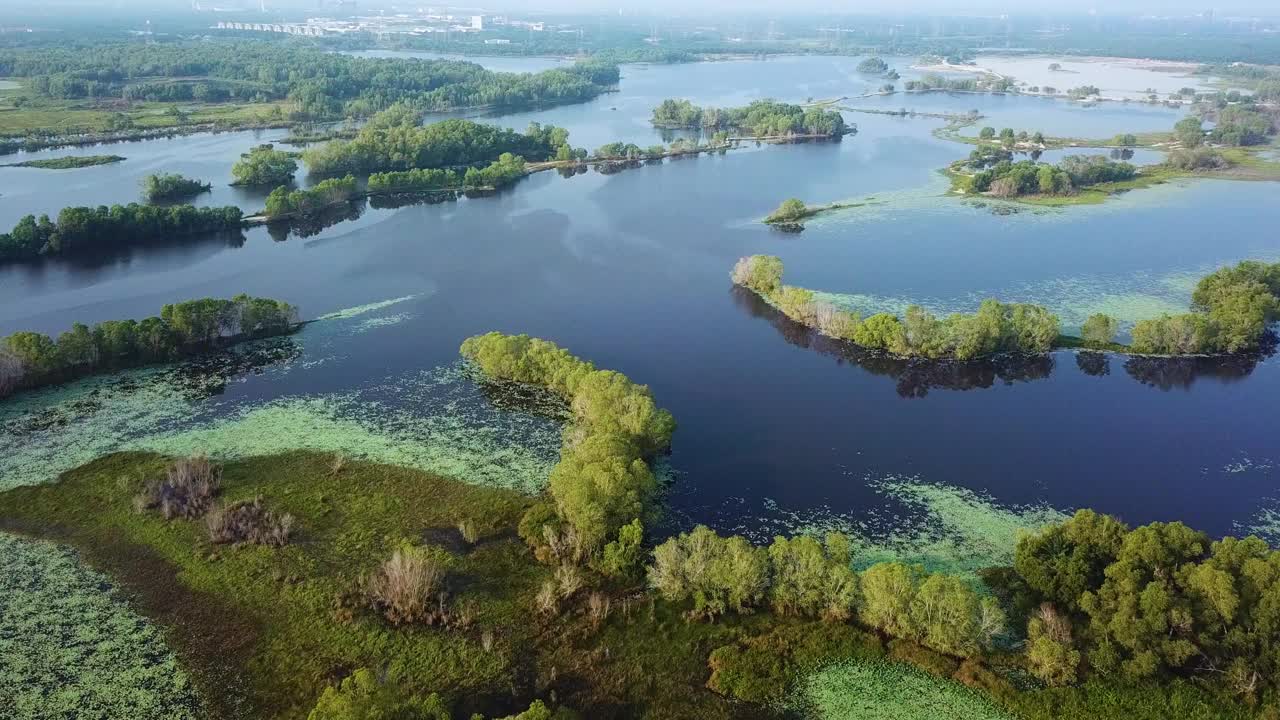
(69, 162)
(793, 212)
(1232, 310)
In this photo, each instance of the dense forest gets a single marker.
(762, 118)
(393, 140)
(29, 360)
(322, 85)
(85, 230)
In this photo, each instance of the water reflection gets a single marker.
(915, 378)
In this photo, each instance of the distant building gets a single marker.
(477, 22)
(497, 41)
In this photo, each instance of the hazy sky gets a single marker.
(727, 8)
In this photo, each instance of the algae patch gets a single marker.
(70, 646)
(942, 527)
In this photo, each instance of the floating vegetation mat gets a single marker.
(1128, 298)
(71, 647)
(943, 527)
(887, 691)
(439, 420)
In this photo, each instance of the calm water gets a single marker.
(777, 427)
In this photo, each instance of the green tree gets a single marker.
(264, 165)
(1099, 330)
(1189, 132)
(987, 133)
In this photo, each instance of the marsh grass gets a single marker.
(888, 691)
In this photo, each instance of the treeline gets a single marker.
(1155, 602)
(933, 81)
(1232, 307)
(171, 186)
(602, 484)
(29, 360)
(807, 578)
(995, 328)
(322, 85)
(393, 140)
(1006, 179)
(283, 202)
(82, 230)
(762, 118)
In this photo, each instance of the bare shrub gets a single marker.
(337, 464)
(404, 587)
(741, 274)
(486, 640)
(569, 578)
(1056, 626)
(548, 598)
(186, 491)
(11, 373)
(469, 531)
(566, 546)
(598, 604)
(249, 522)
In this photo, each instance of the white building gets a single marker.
(477, 22)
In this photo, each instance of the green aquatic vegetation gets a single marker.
(887, 691)
(70, 646)
(465, 440)
(945, 528)
(438, 420)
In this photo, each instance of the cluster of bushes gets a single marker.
(30, 359)
(171, 186)
(81, 230)
(602, 482)
(1009, 179)
(995, 328)
(363, 696)
(1232, 307)
(393, 140)
(804, 577)
(762, 118)
(326, 193)
(1157, 601)
(505, 170)
(264, 165)
(188, 490)
(249, 522)
(417, 180)
(1196, 158)
(873, 65)
(935, 82)
(1237, 126)
(791, 210)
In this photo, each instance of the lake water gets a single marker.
(778, 429)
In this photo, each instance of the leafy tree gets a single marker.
(1050, 651)
(987, 133)
(717, 574)
(790, 210)
(264, 165)
(1063, 561)
(808, 579)
(1189, 132)
(1099, 330)
(761, 273)
(622, 556)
